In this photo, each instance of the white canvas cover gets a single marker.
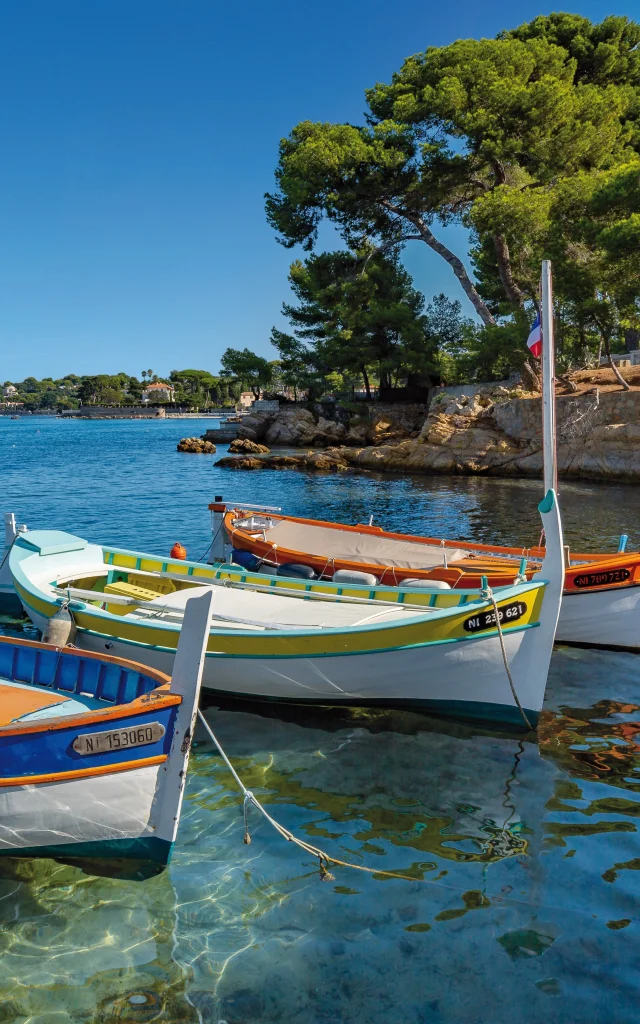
(374, 549)
(273, 610)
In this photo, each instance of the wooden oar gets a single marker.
(268, 588)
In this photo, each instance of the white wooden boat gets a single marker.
(94, 749)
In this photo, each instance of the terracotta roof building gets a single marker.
(159, 392)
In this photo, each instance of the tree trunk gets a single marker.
(535, 379)
(458, 268)
(616, 371)
(365, 377)
(512, 291)
(456, 264)
(585, 348)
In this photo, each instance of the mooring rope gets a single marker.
(323, 858)
(488, 594)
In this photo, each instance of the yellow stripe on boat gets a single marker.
(150, 565)
(296, 642)
(334, 641)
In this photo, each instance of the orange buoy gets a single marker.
(177, 551)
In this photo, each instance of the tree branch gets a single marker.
(456, 264)
(389, 245)
(535, 378)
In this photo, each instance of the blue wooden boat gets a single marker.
(94, 748)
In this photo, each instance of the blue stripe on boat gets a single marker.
(50, 751)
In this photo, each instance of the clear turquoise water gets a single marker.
(522, 857)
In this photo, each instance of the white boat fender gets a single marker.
(367, 579)
(426, 584)
(61, 629)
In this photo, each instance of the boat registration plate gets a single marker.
(486, 620)
(602, 579)
(118, 739)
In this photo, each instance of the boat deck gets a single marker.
(20, 702)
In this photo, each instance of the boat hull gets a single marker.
(94, 749)
(441, 682)
(108, 815)
(602, 618)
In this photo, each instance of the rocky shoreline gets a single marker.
(598, 438)
(327, 424)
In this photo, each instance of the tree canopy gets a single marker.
(487, 133)
(361, 315)
(196, 389)
(252, 371)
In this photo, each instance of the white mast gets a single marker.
(548, 384)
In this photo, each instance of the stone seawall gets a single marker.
(119, 412)
(576, 415)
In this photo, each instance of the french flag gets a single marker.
(534, 341)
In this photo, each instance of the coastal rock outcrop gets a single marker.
(196, 446)
(598, 438)
(291, 427)
(328, 423)
(331, 460)
(242, 446)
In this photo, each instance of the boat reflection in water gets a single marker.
(520, 860)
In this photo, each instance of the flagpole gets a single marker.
(548, 384)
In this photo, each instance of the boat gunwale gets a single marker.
(378, 531)
(155, 700)
(215, 569)
(435, 614)
(536, 553)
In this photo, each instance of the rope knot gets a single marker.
(325, 875)
(248, 799)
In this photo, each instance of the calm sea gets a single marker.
(523, 858)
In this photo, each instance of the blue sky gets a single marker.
(138, 139)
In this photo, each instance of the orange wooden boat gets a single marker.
(396, 557)
(600, 607)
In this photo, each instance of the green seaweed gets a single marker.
(523, 943)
